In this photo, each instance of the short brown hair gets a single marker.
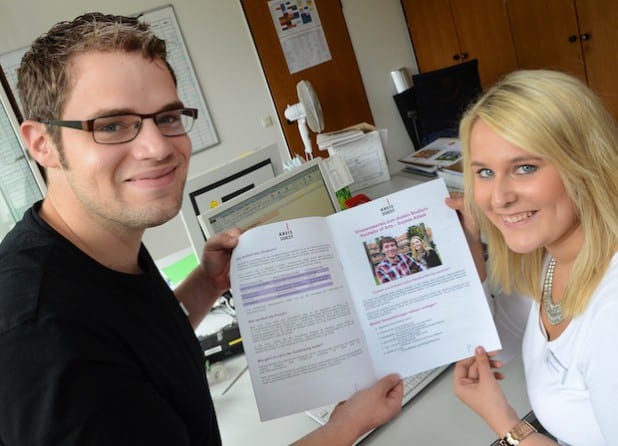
(387, 239)
(43, 78)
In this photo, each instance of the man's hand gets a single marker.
(199, 291)
(369, 408)
(215, 264)
(365, 410)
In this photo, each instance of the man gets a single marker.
(394, 265)
(94, 347)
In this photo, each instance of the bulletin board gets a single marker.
(165, 25)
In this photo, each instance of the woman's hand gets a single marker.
(476, 384)
(468, 222)
(472, 230)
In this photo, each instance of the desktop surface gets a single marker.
(434, 417)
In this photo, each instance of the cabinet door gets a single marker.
(445, 32)
(433, 34)
(546, 35)
(484, 34)
(598, 24)
(337, 82)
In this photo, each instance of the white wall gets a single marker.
(228, 69)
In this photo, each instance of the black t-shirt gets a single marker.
(91, 356)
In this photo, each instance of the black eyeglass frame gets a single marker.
(88, 125)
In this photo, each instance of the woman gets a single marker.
(422, 253)
(540, 156)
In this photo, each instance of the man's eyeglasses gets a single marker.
(122, 128)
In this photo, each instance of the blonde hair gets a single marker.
(557, 117)
(415, 254)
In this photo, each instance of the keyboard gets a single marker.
(412, 385)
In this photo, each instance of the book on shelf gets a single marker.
(442, 152)
(322, 315)
(452, 176)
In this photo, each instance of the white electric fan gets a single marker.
(307, 112)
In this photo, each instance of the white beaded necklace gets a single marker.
(553, 311)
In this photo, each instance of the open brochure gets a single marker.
(324, 313)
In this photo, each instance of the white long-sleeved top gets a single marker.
(572, 381)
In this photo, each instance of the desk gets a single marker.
(398, 181)
(434, 417)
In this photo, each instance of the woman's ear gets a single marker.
(39, 143)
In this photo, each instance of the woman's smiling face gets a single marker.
(521, 193)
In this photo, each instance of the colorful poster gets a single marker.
(300, 33)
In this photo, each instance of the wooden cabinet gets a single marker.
(445, 32)
(576, 36)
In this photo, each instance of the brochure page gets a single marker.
(431, 314)
(301, 337)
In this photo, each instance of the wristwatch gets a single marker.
(518, 433)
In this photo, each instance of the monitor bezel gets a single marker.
(239, 169)
(204, 217)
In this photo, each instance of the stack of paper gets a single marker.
(330, 139)
(443, 152)
(362, 148)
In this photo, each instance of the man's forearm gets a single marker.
(197, 296)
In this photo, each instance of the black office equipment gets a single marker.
(406, 104)
(442, 96)
(226, 342)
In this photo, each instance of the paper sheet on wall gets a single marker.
(338, 172)
(19, 187)
(300, 33)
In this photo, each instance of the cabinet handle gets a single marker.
(464, 56)
(573, 38)
(456, 57)
(585, 36)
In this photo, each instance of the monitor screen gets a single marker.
(442, 96)
(303, 192)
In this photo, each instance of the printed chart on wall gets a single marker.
(300, 33)
(20, 186)
(165, 25)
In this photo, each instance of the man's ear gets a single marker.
(39, 143)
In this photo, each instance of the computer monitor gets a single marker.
(442, 96)
(216, 186)
(303, 192)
